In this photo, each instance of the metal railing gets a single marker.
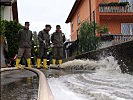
(116, 9)
(117, 39)
(111, 40)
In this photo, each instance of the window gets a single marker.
(78, 19)
(72, 26)
(130, 1)
(124, 0)
(131, 4)
(132, 29)
(127, 28)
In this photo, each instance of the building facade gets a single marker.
(117, 15)
(9, 10)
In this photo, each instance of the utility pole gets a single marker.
(94, 22)
(77, 42)
(90, 9)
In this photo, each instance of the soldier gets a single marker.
(25, 38)
(58, 39)
(44, 41)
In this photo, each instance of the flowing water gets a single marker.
(104, 82)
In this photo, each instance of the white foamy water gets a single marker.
(106, 83)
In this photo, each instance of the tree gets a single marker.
(36, 42)
(10, 30)
(103, 30)
(35, 38)
(2, 27)
(87, 38)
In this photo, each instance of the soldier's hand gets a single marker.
(44, 42)
(51, 45)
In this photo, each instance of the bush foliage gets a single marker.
(87, 38)
(9, 29)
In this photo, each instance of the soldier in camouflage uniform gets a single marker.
(58, 39)
(44, 42)
(25, 38)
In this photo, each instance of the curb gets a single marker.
(8, 69)
(44, 91)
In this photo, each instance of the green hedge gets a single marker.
(10, 29)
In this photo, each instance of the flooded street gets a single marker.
(19, 85)
(105, 83)
(80, 80)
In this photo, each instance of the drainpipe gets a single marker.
(77, 42)
(90, 9)
(94, 21)
(11, 12)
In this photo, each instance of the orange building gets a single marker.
(117, 15)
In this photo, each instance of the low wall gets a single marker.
(122, 52)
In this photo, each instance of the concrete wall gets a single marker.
(122, 52)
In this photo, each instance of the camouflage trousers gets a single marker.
(24, 51)
(43, 53)
(57, 53)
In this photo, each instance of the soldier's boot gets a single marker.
(38, 63)
(17, 63)
(60, 61)
(53, 62)
(45, 63)
(29, 62)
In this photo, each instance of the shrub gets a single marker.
(103, 30)
(87, 38)
(10, 29)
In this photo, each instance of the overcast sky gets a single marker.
(41, 12)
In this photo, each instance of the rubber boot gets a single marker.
(38, 63)
(44, 63)
(17, 63)
(60, 62)
(53, 62)
(29, 62)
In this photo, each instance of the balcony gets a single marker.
(112, 39)
(115, 7)
(121, 39)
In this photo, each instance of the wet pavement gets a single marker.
(23, 84)
(19, 85)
